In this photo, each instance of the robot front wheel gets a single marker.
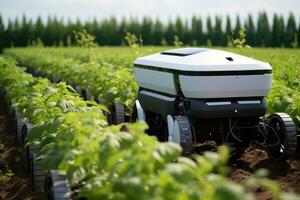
(175, 129)
(180, 132)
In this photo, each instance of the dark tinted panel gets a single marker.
(183, 51)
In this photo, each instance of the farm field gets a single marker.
(105, 75)
(284, 96)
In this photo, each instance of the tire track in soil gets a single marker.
(19, 186)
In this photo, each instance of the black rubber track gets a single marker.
(186, 142)
(38, 175)
(57, 186)
(119, 113)
(20, 122)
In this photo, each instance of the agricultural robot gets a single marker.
(192, 95)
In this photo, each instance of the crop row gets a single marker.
(111, 162)
(106, 82)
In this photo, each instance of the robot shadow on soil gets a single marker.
(192, 95)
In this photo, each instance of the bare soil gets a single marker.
(286, 173)
(19, 186)
(243, 165)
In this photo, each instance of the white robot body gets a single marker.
(203, 73)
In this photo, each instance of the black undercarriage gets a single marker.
(235, 124)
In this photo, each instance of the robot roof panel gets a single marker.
(183, 51)
(201, 59)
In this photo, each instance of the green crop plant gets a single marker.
(177, 42)
(5, 177)
(86, 40)
(2, 147)
(241, 41)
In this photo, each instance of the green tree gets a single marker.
(298, 32)
(105, 33)
(48, 32)
(133, 26)
(158, 31)
(170, 32)
(121, 31)
(146, 30)
(250, 30)
(263, 30)
(275, 42)
(196, 33)
(209, 30)
(39, 29)
(278, 31)
(228, 30)
(237, 27)
(96, 31)
(290, 31)
(25, 32)
(110, 31)
(8, 34)
(295, 42)
(114, 31)
(219, 38)
(281, 31)
(2, 34)
(16, 33)
(180, 29)
(228, 25)
(58, 32)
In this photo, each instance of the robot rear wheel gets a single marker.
(280, 136)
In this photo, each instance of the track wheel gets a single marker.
(57, 186)
(55, 79)
(83, 94)
(2, 92)
(12, 114)
(180, 132)
(20, 122)
(25, 130)
(284, 127)
(38, 175)
(118, 113)
(78, 90)
(89, 95)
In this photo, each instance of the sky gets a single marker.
(163, 9)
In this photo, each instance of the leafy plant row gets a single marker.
(113, 162)
(107, 82)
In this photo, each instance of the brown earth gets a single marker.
(19, 186)
(286, 173)
(243, 165)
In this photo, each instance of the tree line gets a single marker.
(216, 31)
